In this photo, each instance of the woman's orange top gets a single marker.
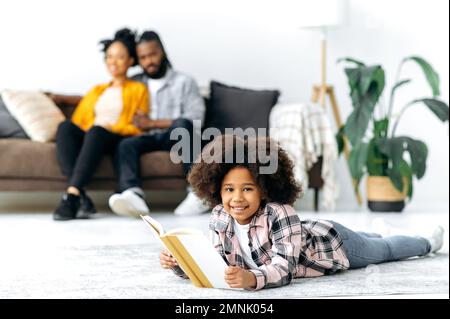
(135, 97)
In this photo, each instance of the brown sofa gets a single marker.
(32, 166)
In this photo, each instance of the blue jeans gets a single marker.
(363, 249)
(130, 149)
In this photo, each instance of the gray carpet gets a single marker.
(117, 258)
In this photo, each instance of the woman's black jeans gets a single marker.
(80, 153)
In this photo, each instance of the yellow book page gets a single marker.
(174, 246)
(190, 261)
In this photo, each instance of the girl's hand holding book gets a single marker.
(237, 277)
(166, 260)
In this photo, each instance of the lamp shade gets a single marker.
(322, 14)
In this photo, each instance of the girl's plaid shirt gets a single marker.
(282, 246)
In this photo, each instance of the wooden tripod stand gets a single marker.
(319, 94)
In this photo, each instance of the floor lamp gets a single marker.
(322, 15)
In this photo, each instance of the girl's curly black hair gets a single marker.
(226, 152)
(127, 38)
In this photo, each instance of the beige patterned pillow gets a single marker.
(35, 112)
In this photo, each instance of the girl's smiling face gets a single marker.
(241, 196)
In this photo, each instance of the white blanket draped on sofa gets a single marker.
(304, 131)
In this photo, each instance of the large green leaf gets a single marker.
(399, 84)
(353, 76)
(439, 108)
(418, 153)
(372, 77)
(399, 168)
(430, 74)
(394, 88)
(406, 172)
(367, 84)
(357, 123)
(351, 60)
(357, 160)
(377, 162)
(396, 178)
(394, 149)
(380, 127)
(340, 135)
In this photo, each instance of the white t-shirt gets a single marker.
(154, 85)
(241, 232)
(109, 107)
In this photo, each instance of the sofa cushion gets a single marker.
(35, 112)
(233, 107)
(9, 127)
(32, 160)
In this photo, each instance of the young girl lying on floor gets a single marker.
(258, 233)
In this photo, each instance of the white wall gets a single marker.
(52, 45)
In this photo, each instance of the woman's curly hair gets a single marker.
(127, 38)
(226, 152)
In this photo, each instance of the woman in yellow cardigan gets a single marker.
(102, 118)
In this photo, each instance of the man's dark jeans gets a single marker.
(130, 150)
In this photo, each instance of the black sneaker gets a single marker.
(87, 207)
(67, 208)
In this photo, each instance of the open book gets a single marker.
(194, 253)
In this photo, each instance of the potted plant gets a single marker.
(389, 160)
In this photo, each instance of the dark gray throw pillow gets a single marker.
(9, 127)
(233, 107)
